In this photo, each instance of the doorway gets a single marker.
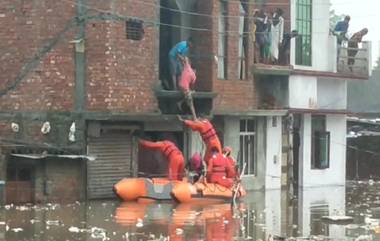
(176, 20)
(170, 16)
(19, 186)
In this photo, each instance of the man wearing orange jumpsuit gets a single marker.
(231, 161)
(219, 170)
(208, 133)
(172, 154)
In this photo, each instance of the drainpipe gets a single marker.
(80, 61)
(357, 161)
(2, 178)
(290, 162)
(80, 81)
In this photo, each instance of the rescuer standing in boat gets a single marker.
(231, 161)
(172, 154)
(219, 170)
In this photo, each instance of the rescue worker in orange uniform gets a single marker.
(208, 134)
(231, 161)
(219, 170)
(172, 154)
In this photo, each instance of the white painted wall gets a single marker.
(332, 93)
(273, 153)
(321, 42)
(302, 92)
(231, 134)
(336, 173)
(334, 197)
(311, 92)
(272, 212)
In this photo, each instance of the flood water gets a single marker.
(260, 216)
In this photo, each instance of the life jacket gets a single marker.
(208, 134)
(218, 167)
(169, 149)
(231, 170)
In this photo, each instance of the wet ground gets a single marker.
(260, 216)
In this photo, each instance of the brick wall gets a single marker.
(234, 95)
(28, 27)
(121, 73)
(64, 181)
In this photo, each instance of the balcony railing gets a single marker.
(354, 61)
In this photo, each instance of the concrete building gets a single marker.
(313, 88)
(83, 79)
(318, 95)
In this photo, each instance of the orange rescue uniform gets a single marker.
(172, 154)
(220, 171)
(209, 136)
(231, 162)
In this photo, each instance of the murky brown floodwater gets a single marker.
(260, 215)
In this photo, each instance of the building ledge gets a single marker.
(319, 111)
(277, 112)
(267, 69)
(168, 102)
(338, 75)
(175, 94)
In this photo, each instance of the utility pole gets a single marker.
(357, 161)
(2, 176)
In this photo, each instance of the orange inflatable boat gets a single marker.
(161, 189)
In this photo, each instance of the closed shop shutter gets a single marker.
(113, 152)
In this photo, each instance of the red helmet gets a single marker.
(196, 160)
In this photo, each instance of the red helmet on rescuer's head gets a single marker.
(196, 160)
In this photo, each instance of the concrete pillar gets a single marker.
(273, 212)
(273, 132)
(231, 134)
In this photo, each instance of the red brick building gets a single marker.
(102, 66)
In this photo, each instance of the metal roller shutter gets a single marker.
(113, 151)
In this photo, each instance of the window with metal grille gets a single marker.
(247, 146)
(134, 29)
(320, 143)
(222, 40)
(304, 27)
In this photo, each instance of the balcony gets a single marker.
(272, 92)
(272, 69)
(168, 99)
(355, 61)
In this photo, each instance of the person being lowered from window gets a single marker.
(176, 57)
(219, 170)
(186, 83)
(172, 154)
(208, 134)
